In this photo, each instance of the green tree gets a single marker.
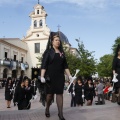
(117, 41)
(73, 62)
(87, 63)
(39, 60)
(104, 67)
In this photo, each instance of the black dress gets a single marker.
(8, 93)
(20, 97)
(78, 94)
(116, 67)
(89, 92)
(55, 65)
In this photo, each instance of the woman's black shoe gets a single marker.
(61, 118)
(47, 114)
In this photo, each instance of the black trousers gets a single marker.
(73, 101)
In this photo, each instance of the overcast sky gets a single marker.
(95, 22)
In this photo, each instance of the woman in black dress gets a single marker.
(116, 70)
(78, 92)
(8, 92)
(53, 66)
(89, 91)
(20, 95)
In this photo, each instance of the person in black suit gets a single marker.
(78, 91)
(116, 71)
(19, 96)
(8, 91)
(89, 91)
(53, 66)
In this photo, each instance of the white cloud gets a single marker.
(82, 3)
(87, 3)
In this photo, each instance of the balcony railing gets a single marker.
(14, 64)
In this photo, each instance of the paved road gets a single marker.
(109, 111)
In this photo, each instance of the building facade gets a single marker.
(12, 55)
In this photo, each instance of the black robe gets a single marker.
(78, 94)
(89, 92)
(20, 97)
(116, 67)
(8, 92)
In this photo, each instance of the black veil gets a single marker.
(49, 44)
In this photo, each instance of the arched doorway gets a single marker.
(5, 71)
(14, 73)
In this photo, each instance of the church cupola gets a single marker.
(38, 17)
(38, 25)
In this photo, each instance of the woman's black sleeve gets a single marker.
(114, 64)
(65, 63)
(45, 60)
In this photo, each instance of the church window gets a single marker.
(22, 59)
(37, 35)
(37, 47)
(6, 54)
(37, 11)
(41, 23)
(35, 23)
(14, 57)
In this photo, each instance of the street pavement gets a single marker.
(109, 111)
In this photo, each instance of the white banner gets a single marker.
(22, 66)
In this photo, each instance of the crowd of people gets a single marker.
(20, 91)
(85, 90)
(82, 91)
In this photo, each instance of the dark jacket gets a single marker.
(48, 58)
(20, 94)
(89, 92)
(29, 92)
(116, 67)
(8, 92)
(78, 89)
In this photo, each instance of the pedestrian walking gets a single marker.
(54, 65)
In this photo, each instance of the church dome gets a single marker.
(63, 38)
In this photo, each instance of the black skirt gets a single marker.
(8, 96)
(79, 99)
(55, 72)
(89, 96)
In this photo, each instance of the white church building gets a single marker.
(18, 57)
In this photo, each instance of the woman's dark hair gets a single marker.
(51, 37)
(88, 79)
(117, 49)
(27, 79)
(79, 78)
(9, 78)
